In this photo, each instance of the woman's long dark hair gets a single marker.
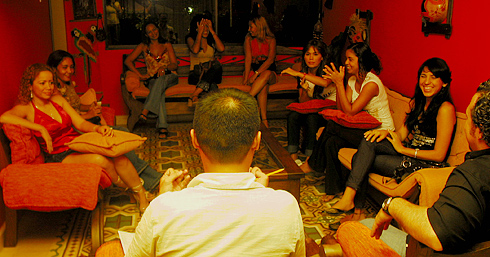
(57, 56)
(193, 28)
(321, 47)
(146, 39)
(440, 69)
(368, 61)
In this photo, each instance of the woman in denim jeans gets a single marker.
(161, 63)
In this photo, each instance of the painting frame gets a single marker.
(84, 10)
(441, 27)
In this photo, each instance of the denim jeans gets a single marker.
(312, 122)
(150, 176)
(155, 101)
(378, 157)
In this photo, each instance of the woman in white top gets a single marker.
(205, 70)
(364, 92)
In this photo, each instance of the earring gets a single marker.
(32, 96)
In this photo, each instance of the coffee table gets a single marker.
(289, 178)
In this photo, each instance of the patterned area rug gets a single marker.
(121, 212)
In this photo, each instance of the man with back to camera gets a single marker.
(227, 210)
(460, 217)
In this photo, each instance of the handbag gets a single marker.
(100, 33)
(409, 165)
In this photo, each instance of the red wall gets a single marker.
(26, 38)
(395, 36)
(106, 70)
(397, 39)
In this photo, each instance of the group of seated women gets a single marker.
(425, 136)
(50, 106)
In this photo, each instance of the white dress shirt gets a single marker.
(221, 214)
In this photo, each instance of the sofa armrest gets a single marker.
(431, 181)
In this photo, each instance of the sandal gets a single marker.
(143, 118)
(162, 133)
(141, 205)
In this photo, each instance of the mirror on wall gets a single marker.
(291, 21)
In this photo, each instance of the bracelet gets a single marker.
(304, 76)
(416, 151)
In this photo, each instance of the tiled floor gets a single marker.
(36, 230)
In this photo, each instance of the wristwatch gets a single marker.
(386, 204)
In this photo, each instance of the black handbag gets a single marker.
(409, 165)
(100, 33)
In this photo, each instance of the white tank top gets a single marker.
(378, 107)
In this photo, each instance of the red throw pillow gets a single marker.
(24, 148)
(312, 106)
(362, 120)
(52, 186)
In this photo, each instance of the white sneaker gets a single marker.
(298, 162)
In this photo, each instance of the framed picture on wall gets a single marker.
(84, 9)
(436, 17)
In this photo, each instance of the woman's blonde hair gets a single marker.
(28, 77)
(263, 30)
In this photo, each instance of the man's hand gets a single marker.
(381, 223)
(260, 176)
(174, 180)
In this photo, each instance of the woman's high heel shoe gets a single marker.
(142, 203)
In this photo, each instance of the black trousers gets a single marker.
(325, 154)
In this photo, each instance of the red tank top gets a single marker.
(60, 133)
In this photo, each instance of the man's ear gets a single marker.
(256, 142)
(478, 135)
(194, 139)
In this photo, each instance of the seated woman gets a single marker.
(260, 57)
(51, 117)
(426, 134)
(205, 70)
(311, 85)
(364, 91)
(160, 60)
(64, 65)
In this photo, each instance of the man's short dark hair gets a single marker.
(226, 122)
(480, 115)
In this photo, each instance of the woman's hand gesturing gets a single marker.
(336, 76)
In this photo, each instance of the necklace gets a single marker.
(50, 113)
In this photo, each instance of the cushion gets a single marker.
(132, 81)
(51, 187)
(362, 120)
(356, 240)
(109, 115)
(89, 97)
(311, 106)
(93, 142)
(24, 147)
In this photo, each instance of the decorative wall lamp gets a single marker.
(436, 17)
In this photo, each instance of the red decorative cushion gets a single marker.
(362, 120)
(356, 240)
(23, 146)
(312, 106)
(51, 187)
